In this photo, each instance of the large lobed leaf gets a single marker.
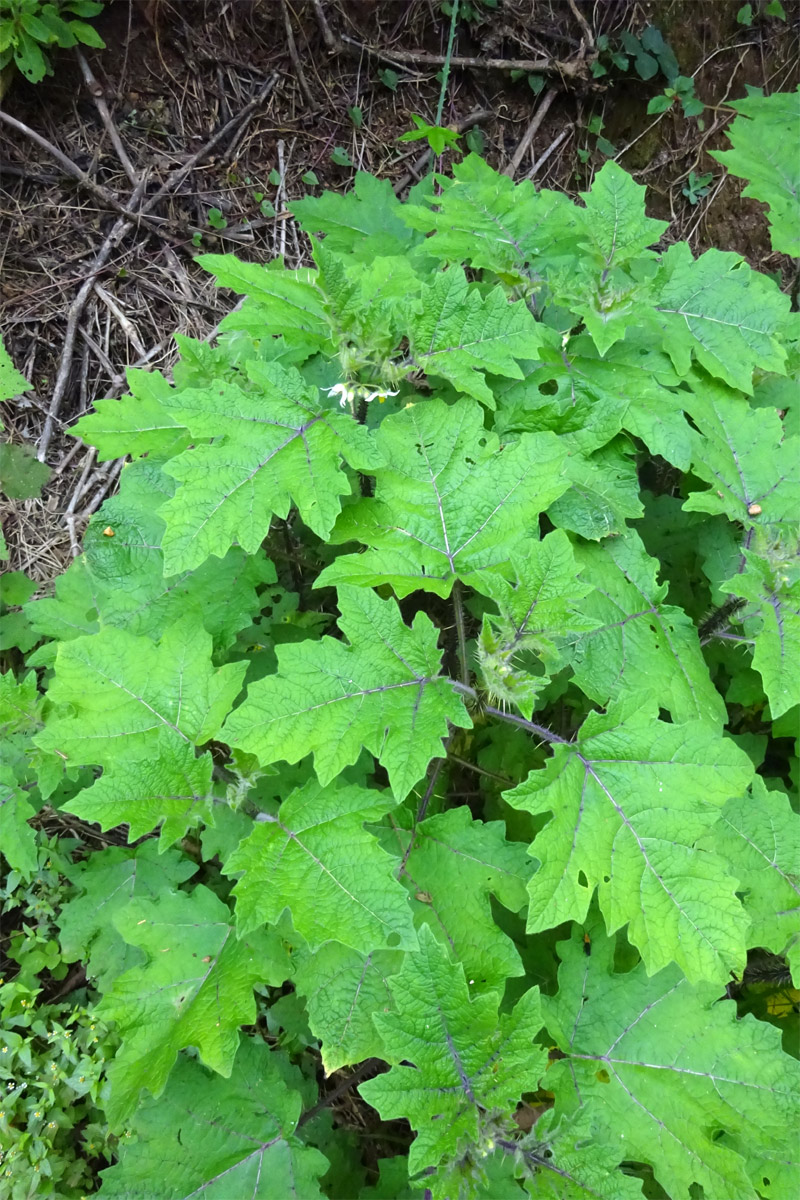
(220, 1138)
(450, 502)
(384, 691)
(464, 1059)
(139, 711)
(669, 1076)
(630, 799)
(274, 444)
(316, 859)
(763, 137)
(194, 988)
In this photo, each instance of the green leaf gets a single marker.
(568, 1161)
(761, 136)
(464, 1059)
(220, 1137)
(537, 612)
(316, 859)
(759, 835)
(630, 799)
(366, 222)
(194, 988)
(719, 311)
(774, 625)
(638, 640)
(108, 880)
(30, 60)
(138, 711)
(340, 157)
(272, 445)
(17, 837)
(450, 502)
(742, 453)
(460, 335)
(122, 691)
(342, 989)
(384, 691)
(614, 226)
(604, 491)
(669, 1076)
(11, 382)
(86, 34)
(484, 218)
(280, 301)
(172, 789)
(119, 579)
(454, 866)
(389, 78)
(438, 137)
(22, 477)
(136, 424)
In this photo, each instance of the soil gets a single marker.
(175, 72)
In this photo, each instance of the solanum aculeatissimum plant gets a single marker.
(447, 605)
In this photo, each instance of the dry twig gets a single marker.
(530, 132)
(118, 231)
(105, 116)
(295, 57)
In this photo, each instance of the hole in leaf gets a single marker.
(393, 939)
(603, 1076)
(665, 716)
(582, 880)
(549, 387)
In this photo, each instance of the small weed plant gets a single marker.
(440, 653)
(28, 27)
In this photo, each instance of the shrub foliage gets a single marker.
(446, 627)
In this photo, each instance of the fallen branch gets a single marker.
(295, 57)
(576, 68)
(551, 149)
(118, 231)
(530, 132)
(105, 116)
(121, 227)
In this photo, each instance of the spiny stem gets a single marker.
(458, 605)
(546, 735)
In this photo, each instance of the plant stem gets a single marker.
(546, 735)
(458, 605)
(446, 67)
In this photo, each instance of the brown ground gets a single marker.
(176, 71)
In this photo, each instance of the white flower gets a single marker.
(378, 396)
(344, 393)
(348, 394)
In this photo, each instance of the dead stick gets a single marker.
(584, 24)
(178, 175)
(86, 181)
(530, 132)
(295, 57)
(325, 29)
(105, 116)
(551, 149)
(118, 231)
(570, 69)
